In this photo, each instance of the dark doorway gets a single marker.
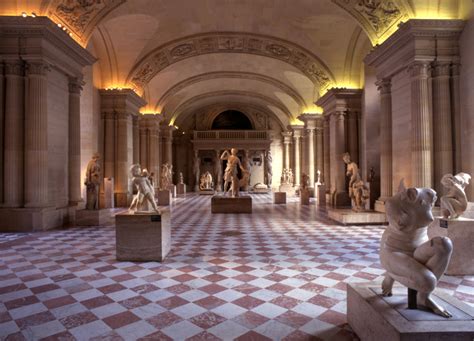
(232, 120)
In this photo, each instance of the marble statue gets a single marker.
(406, 253)
(318, 181)
(287, 177)
(181, 179)
(206, 182)
(304, 181)
(92, 182)
(231, 179)
(145, 193)
(454, 202)
(268, 162)
(165, 178)
(352, 171)
(196, 167)
(360, 194)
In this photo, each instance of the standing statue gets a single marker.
(165, 178)
(291, 177)
(231, 172)
(247, 164)
(181, 179)
(268, 162)
(352, 171)
(92, 182)
(206, 182)
(406, 252)
(145, 192)
(318, 181)
(454, 203)
(360, 194)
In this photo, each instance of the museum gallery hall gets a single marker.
(237, 170)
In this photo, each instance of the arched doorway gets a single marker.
(231, 120)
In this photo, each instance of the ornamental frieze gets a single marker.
(175, 51)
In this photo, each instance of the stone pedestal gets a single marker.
(374, 317)
(172, 189)
(221, 204)
(94, 217)
(321, 196)
(143, 236)
(181, 189)
(207, 192)
(290, 190)
(35, 219)
(349, 217)
(304, 196)
(108, 193)
(279, 197)
(461, 233)
(164, 198)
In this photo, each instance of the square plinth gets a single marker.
(143, 236)
(94, 217)
(172, 189)
(221, 204)
(304, 196)
(181, 189)
(349, 217)
(279, 197)
(164, 198)
(374, 317)
(207, 192)
(461, 233)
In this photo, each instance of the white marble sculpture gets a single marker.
(406, 252)
(352, 171)
(287, 177)
(206, 183)
(166, 176)
(145, 193)
(359, 194)
(92, 182)
(268, 162)
(454, 202)
(231, 178)
(181, 178)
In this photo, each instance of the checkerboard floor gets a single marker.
(279, 273)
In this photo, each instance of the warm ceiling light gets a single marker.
(59, 25)
(33, 14)
(23, 14)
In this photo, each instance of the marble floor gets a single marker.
(279, 273)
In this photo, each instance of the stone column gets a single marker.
(13, 166)
(122, 166)
(421, 160)
(143, 141)
(218, 167)
(386, 178)
(153, 148)
(286, 142)
(136, 140)
(353, 135)
(326, 174)
(75, 87)
(319, 147)
(456, 115)
(168, 136)
(36, 136)
(109, 144)
(340, 197)
(310, 121)
(196, 170)
(442, 125)
(297, 133)
(2, 135)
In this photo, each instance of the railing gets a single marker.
(231, 135)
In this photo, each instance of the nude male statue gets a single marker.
(454, 202)
(352, 171)
(230, 173)
(144, 188)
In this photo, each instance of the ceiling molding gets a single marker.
(230, 74)
(230, 42)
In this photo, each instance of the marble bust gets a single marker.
(92, 182)
(145, 193)
(407, 254)
(454, 202)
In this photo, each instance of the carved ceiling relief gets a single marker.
(80, 16)
(229, 43)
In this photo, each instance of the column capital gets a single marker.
(455, 69)
(75, 85)
(37, 68)
(310, 120)
(297, 131)
(287, 137)
(441, 69)
(14, 67)
(384, 85)
(419, 69)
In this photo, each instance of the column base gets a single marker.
(35, 219)
(94, 217)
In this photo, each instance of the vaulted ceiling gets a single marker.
(279, 55)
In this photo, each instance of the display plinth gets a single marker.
(461, 233)
(379, 206)
(94, 217)
(144, 236)
(207, 192)
(304, 196)
(107, 197)
(35, 219)
(164, 198)
(222, 204)
(321, 195)
(374, 317)
(172, 189)
(288, 189)
(279, 197)
(181, 189)
(347, 216)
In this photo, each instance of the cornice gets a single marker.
(124, 99)
(340, 99)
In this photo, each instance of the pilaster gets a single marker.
(74, 157)
(297, 134)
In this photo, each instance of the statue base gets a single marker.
(321, 197)
(144, 236)
(305, 194)
(35, 219)
(222, 204)
(181, 189)
(289, 189)
(94, 217)
(172, 189)
(207, 192)
(279, 197)
(164, 198)
(350, 217)
(461, 233)
(374, 317)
